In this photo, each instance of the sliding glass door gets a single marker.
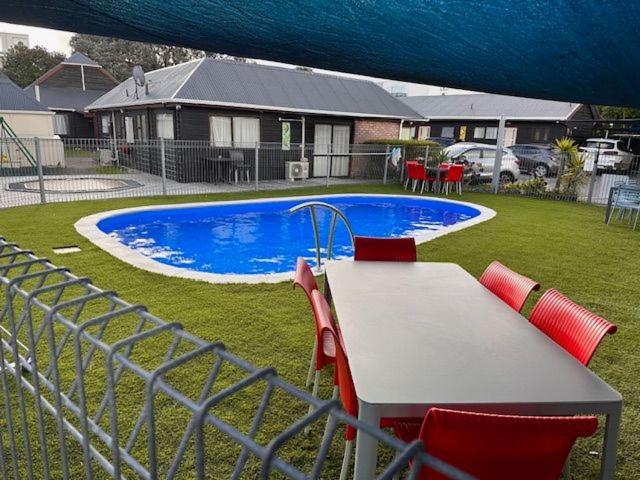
(332, 139)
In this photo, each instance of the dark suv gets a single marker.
(538, 160)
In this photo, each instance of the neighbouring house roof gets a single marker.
(232, 84)
(80, 59)
(485, 106)
(59, 98)
(13, 98)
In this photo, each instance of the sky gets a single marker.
(58, 41)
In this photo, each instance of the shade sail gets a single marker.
(583, 51)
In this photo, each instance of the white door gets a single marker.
(321, 144)
(340, 165)
(510, 135)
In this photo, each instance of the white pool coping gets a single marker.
(88, 228)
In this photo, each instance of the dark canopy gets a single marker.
(573, 50)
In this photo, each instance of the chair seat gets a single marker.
(406, 430)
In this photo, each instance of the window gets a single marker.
(246, 131)
(447, 132)
(220, 129)
(491, 133)
(541, 134)
(135, 127)
(104, 124)
(164, 125)
(405, 134)
(424, 133)
(239, 131)
(478, 132)
(61, 124)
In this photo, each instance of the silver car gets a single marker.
(480, 159)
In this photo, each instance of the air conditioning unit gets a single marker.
(297, 170)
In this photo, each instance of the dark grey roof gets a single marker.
(489, 106)
(12, 97)
(60, 98)
(80, 59)
(249, 85)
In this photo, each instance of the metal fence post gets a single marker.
(255, 161)
(163, 163)
(36, 143)
(594, 174)
(495, 184)
(386, 166)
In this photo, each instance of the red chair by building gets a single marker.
(454, 177)
(385, 249)
(510, 286)
(497, 447)
(571, 326)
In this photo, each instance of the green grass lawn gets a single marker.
(562, 245)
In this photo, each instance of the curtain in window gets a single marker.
(478, 132)
(220, 131)
(105, 120)
(61, 124)
(164, 125)
(405, 134)
(128, 129)
(246, 131)
(491, 133)
(424, 132)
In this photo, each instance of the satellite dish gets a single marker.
(138, 76)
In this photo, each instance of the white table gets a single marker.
(429, 334)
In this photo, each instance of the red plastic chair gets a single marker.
(497, 447)
(415, 174)
(511, 287)
(454, 176)
(346, 388)
(571, 326)
(320, 357)
(385, 249)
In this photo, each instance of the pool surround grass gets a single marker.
(561, 245)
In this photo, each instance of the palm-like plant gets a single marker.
(565, 148)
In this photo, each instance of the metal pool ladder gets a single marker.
(312, 206)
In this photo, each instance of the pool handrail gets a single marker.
(316, 234)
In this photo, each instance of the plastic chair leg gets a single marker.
(314, 393)
(312, 363)
(346, 460)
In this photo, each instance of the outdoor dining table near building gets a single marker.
(429, 334)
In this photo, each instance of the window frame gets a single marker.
(476, 130)
(232, 129)
(64, 118)
(494, 134)
(453, 132)
(165, 115)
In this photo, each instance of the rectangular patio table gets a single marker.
(429, 334)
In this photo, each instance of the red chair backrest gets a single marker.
(510, 286)
(345, 381)
(325, 325)
(455, 173)
(571, 326)
(385, 249)
(304, 278)
(414, 170)
(500, 447)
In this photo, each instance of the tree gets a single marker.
(119, 56)
(618, 113)
(24, 65)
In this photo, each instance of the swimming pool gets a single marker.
(259, 240)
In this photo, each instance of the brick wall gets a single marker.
(364, 130)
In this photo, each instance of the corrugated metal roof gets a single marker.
(486, 105)
(65, 98)
(250, 85)
(13, 98)
(81, 59)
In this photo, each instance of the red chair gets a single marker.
(454, 176)
(373, 249)
(304, 279)
(511, 287)
(571, 326)
(497, 447)
(415, 174)
(346, 388)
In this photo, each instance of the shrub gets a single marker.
(535, 186)
(413, 148)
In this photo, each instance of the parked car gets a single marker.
(611, 153)
(480, 158)
(537, 160)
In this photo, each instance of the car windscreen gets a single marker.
(601, 145)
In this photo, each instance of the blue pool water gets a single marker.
(264, 238)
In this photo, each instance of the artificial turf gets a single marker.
(562, 245)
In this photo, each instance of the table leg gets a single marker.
(611, 430)
(366, 446)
